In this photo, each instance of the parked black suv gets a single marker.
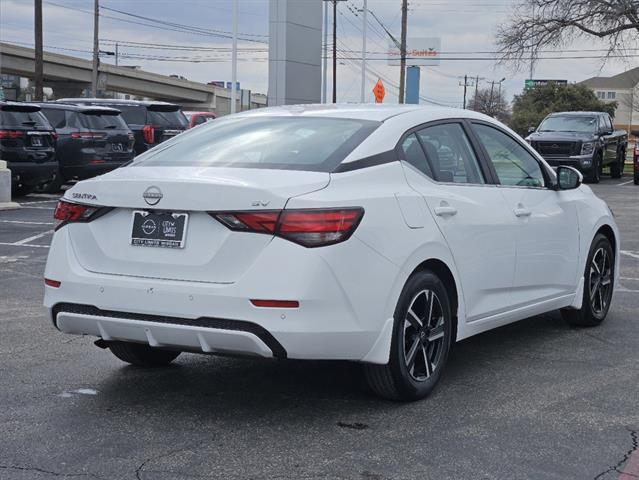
(151, 122)
(27, 144)
(91, 141)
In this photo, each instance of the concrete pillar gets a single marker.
(5, 188)
(295, 52)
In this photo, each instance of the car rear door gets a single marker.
(547, 223)
(441, 164)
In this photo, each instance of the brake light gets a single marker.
(11, 134)
(149, 133)
(67, 212)
(309, 228)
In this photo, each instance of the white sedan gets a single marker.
(377, 234)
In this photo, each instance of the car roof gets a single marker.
(374, 112)
(114, 101)
(78, 108)
(576, 114)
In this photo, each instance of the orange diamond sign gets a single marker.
(379, 91)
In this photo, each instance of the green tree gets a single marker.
(530, 108)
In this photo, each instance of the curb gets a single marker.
(9, 206)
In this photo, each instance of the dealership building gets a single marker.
(623, 89)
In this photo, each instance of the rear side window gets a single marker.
(414, 154)
(56, 117)
(175, 119)
(450, 154)
(514, 165)
(13, 118)
(287, 143)
(103, 122)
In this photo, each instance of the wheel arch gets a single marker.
(607, 231)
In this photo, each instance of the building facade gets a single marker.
(623, 89)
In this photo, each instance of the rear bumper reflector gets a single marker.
(52, 283)
(275, 303)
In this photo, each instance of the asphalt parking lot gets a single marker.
(532, 400)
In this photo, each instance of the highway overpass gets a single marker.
(68, 76)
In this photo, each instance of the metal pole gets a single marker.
(364, 22)
(96, 49)
(402, 73)
(334, 51)
(39, 69)
(234, 60)
(476, 92)
(465, 86)
(490, 103)
(325, 54)
(116, 54)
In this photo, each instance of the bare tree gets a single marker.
(539, 24)
(492, 102)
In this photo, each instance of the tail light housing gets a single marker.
(11, 134)
(148, 132)
(309, 228)
(68, 212)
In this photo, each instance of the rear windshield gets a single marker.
(133, 115)
(103, 122)
(11, 118)
(175, 119)
(287, 143)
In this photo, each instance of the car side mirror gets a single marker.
(568, 178)
(531, 129)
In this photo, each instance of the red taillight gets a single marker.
(66, 212)
(275, 303)
(52, 283)
(11, 134)
(149, 133)
(309, 228)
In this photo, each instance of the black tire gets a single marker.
(636, 179)
(54, 185)
(429, 345)
(22, 190)
(598, 278)
(595, 173)
(616, 168)
(142, 355)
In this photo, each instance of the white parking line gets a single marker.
(22, 222)
(39, 201)
(625, 183)
(630, 254)
(35, 237)
(22, 245)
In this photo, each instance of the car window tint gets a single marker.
(56, 117)
(167, 119)
(513, 164)
(14, 118)
(132, 115)
(103, 122)
(200, 119)
(414, 154)
(450, 154)
(270, 142)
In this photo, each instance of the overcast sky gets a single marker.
(462, 25)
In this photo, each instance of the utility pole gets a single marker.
(334, 51)
(402, 73)
(325, 54)
(234, 60)
(116, 54)
(96, 49)
(364, 22)
(39, 68)
(465, 85)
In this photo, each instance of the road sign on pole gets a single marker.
(379, 91)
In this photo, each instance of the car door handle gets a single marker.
(520, 211)
(445, 210)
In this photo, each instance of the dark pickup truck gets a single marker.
(584, 140)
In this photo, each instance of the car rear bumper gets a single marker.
(31, 173)
(337, 319)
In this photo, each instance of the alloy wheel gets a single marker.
(423, 329)
(600, 281)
